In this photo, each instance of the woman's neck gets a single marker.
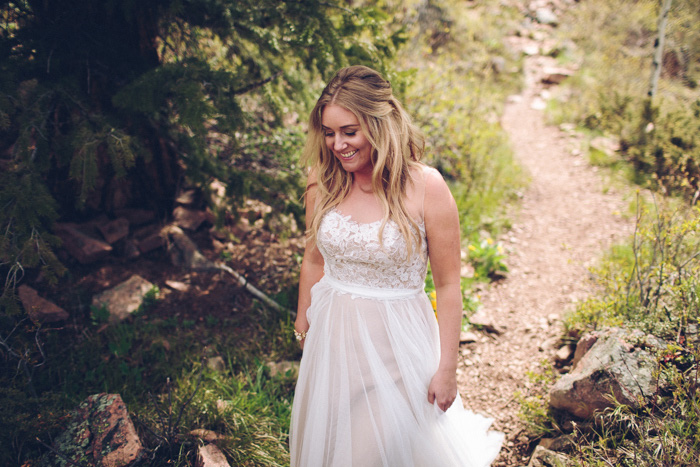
(363, 182)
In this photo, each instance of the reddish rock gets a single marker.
(179, 286)
(189, 219)
(217, 194)
(115, 230)
(466, 337)
(136, 216)
(123, 299)
(211, 456)
(99, 433)
(283, 368)
(584, 345)
(207, 436)
(40, 309)
(564, 354)
(146, 231)
(482, 319)
(152, 242)
(618, 364)
(543, 457)
(216, 363)
(81, 246)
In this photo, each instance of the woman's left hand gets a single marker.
(443, 389)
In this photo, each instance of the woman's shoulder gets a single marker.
(421, 172)
(429, 177)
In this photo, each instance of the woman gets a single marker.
(377, 383)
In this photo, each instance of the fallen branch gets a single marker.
(243, 282)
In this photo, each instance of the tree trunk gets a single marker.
(659, 49)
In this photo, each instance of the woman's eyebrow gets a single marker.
(354, 125)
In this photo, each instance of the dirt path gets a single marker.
(567, 220)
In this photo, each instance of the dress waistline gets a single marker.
(370, 292)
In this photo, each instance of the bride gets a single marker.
(377, 383)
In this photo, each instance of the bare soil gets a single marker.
(569, 215)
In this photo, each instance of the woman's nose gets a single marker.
(338, 143)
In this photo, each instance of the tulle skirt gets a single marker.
(361, 397)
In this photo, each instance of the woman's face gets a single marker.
(345, 139)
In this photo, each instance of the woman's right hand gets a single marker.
(301, 326)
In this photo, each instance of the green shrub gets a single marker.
(653, 282)
(487, 258)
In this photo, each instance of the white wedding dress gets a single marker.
(370, 353)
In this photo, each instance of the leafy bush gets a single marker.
(487, 258)
(653, 282)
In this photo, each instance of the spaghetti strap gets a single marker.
(422, 195)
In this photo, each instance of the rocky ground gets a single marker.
(569, 215)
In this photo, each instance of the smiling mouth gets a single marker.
(348, 155)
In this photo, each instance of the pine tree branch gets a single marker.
(252, 86)
(331, 5)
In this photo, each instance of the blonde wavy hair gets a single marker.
(397, 143)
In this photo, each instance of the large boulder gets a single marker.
(99, 433)
(618, 366)
(123, 299)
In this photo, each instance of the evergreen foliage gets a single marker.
(113, 104)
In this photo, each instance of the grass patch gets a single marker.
(158, 365)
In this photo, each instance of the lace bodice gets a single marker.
(352, 254)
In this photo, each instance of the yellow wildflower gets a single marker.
(489, 241)
(471, 248)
